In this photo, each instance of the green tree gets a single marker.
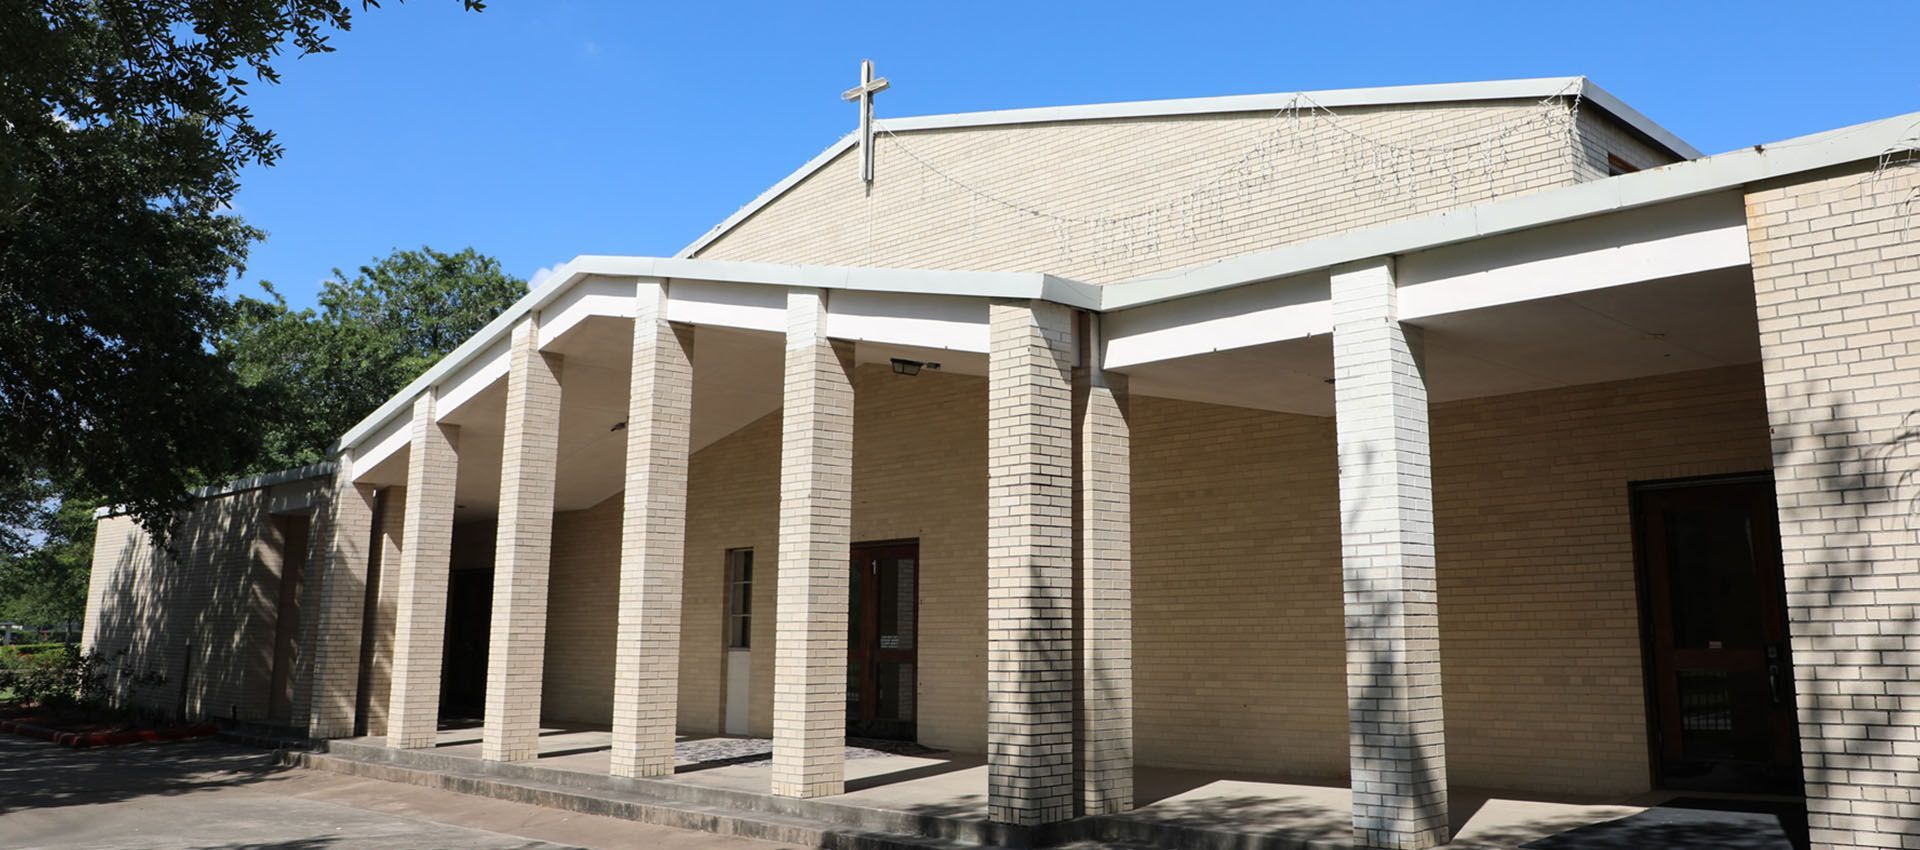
(314, 373)
(46, 584)
(123, 130)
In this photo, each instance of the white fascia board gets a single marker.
(1538, 88)
(1687, 237)
(818, 162)
(1266, 312)
(239, 485)
(1633, 118)
(1665, 184)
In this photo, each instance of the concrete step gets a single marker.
(716, 816)
(964, 831)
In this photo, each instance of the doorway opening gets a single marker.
(1714, 621)
(882, 619)
(463, 655)
(290, 532)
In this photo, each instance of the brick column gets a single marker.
(376, 691)
(334, 601)
(1103, 509)
(1397, 742)
(413, 713)
(1030, 663)
(816, 499)
(517, 630)
(1836, 279)
(646, 680)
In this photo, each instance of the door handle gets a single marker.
(1773, 673)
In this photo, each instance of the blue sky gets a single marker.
(542, 129)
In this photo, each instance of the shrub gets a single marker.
(66, 678)
(28, 649)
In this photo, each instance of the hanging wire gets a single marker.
(1394, 168)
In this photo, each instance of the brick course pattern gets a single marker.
(653, 540)
(517, 629)
(816, 480)
(1836, 275)
(1030, 663)
(376, 689)
(1294, 178)
(1103, 734)
(1397, 736)
(421, 583)
(206, 619)
(335, 590)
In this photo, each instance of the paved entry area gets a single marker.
(1239, 811)
(208, 795)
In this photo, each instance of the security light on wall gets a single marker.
(903, 366)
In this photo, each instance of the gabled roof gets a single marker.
(1881, 139)
(1539, 88)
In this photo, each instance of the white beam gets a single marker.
(1235, 318)
(597, 295)
(1686, 237)
(745, 306)
(380, 445)
(928, 321)
(472, 378)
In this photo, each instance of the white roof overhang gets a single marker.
(1307, 260)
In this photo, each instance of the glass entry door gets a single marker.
(1720, 676)
(882, 611)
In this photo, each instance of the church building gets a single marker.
(1390, 442)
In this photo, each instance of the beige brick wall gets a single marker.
(220, 597)
(1539, 627)
(1251, 182)
(1836, 263)
(1540, 647)
(1600, 135)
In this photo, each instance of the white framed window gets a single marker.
(739, 598)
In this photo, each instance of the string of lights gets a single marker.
(1390, 169)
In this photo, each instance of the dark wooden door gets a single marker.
(463, 660)
(1721, 676)
(882, 614)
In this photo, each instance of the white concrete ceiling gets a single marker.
(1674, 325)
(737, 380)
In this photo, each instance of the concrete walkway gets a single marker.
(1241, 810)
(208, 795)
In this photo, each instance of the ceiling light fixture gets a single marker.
(903, 366)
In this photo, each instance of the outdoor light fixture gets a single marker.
(903, 366)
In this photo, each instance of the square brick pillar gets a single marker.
(1103, 511)
(517, 630)
(646, 678)
(1030, 616)
(327, 687)
(1397, 740)
(1836, 281)
(816, 512)
(383, 573)
(413, 712)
